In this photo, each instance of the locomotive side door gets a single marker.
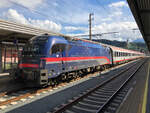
(60, 54)
(63, 56)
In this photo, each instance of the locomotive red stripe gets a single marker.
(74, 59)
(125, 59)
(29, 65)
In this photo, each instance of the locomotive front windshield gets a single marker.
(36, 50)
(35, 47)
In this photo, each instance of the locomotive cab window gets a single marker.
(58, 48)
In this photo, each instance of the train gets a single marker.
(48, 59)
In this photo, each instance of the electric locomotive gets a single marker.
(47, 59)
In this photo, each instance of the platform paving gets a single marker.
(134, 103)
(148, 96)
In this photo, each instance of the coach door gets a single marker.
(111, 55)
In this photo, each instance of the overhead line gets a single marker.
(32, 10)
(98, 34)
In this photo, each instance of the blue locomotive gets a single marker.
(48, 59)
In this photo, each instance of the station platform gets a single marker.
(138, 99)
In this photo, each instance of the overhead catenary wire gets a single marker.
(32, 10)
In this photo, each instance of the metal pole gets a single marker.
(90, 34)
(90, 25)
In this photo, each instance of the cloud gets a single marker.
(106, 19)
(119, 4)
(73, 16)
(13, 15)
(45, 24)
(4, 4)
(124, 30)
(26, 3)
(72, 28)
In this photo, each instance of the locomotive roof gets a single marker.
(70, 38)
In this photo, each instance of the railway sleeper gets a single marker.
(97, 99)
(79, 109)
(103, 93)
(114, 104)
(89, 106)
(93, 101)
(99, 96)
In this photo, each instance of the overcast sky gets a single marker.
(71, 16)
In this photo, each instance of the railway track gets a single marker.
(24, 94)
(104, 98)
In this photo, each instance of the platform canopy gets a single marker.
(11, 31)
(141, 12)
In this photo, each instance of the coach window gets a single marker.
(57, 48)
